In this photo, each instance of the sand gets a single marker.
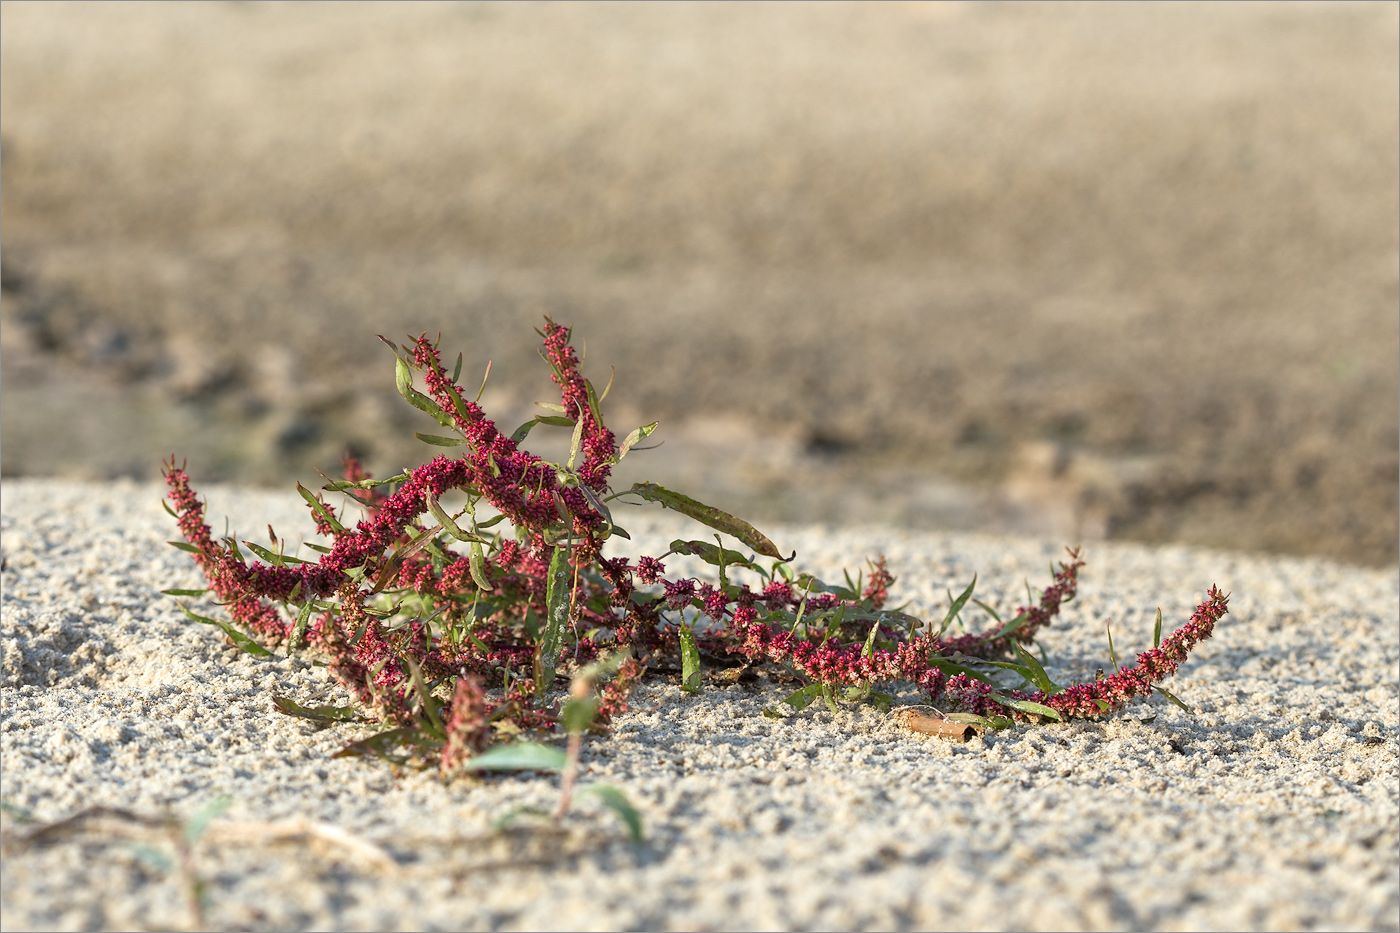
(1274, 807)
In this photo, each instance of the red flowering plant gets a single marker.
(452, 629)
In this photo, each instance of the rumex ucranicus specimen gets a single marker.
(452, 628)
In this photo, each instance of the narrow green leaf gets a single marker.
(803, 697)
(575, 442)
(457, 370)
(319, 508)
(445, 520)
(608, 388)
(438, 440)
(1010, 628)
(1112, 655)
(957, 605)
(519, 756)
(1157, 629)
(272, 557)
(484, 376)
(1173, 700)
(551, 406)
(204, 816)
(1042, 680)
(869, 649)
(381, 744)
(403, 378)
(478, 567)
(614, 800)
(290, 707)
(988, 610)
(430, 704)
(184, 546)
(1025, 706)
(303, 622)
(184, 592)
(953, 668)
(168, 510)
(829, 695)
(972, 719)
(578, 714)
(341, 485)
(708, 515)
(636, 437)
(593, 402)
(690, 661)
(712, 554)
(1103, 705)
(240, 640)
(558, 591)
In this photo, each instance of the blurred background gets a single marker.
(1090, 271)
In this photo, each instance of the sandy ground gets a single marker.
(1277, 806)
(1124, 271)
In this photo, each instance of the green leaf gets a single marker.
(690, 661)
(341, 485)
(320, 509)
(578, 714)
(290, 707)
(445, 520)
(1103, 705)
(430, 704)
(708, 515)
(484, 376)
(478, 567)
(1174, 700)
(519, 756)
(381, 744)
(636, 437)
(1025, 706)
(972, 719)
(240, 640)
(869, 649)
(404, 379)
(829, 695)
(184, 592)
(558, 591)
(614, 800)
(1010, 628)
(185, 546)
(988, 610)
(273, 558)
(957, 605)
(457, 370)
(712, 554)
(204, 816)
(1042, 680)
(439, 441)
(953, 668)
(1157, 629)
(575, 442)
(303, 621)
(1112, 655)
(803, 697)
